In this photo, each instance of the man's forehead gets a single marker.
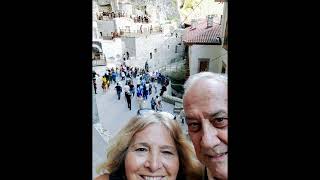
(205, 91)
(207, 85)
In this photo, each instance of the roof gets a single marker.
(203, 35)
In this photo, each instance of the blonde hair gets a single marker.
(190, 167)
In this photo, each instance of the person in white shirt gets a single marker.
(123, 75)
(126, 88)
(147, 87)
(138, 81)
(158, 103)
(127, 94)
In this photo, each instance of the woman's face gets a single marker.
(152, 155)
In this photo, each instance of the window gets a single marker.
(155, 50)
(176, 50)
(150, 55)
(168, 46)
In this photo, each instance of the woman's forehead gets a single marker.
(154, 133)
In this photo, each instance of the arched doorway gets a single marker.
(98, 58)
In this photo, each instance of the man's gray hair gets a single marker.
(204, 76)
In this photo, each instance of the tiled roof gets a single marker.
(203, 35)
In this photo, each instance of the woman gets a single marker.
(104, 83)
(158, 104)
(151, 146)
(108, 84)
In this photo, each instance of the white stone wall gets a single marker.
(212, 52)
(169, 28)
(121, 23)
(106, 27)
(112, 49)
(127, 8)
(103, 2)
(163, 55)
(129, 45)
(95, 33)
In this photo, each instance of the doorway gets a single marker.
(203, 64)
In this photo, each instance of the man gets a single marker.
(94, 74)
(122, 75)
(95, 86)
(163, 89)
(158, 104)
(127, 94)
(114, 76)
(107, 73)
(132, 91)
(128, 97)
(126, 87)
(140, 96)
(119, 90)
(205, 104)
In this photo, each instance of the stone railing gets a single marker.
(171, 99)
(124, 33)
(177, 102)
(99, 62)
(178, 110)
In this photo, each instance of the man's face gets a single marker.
(206, 109)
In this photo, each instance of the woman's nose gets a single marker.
(153, 162)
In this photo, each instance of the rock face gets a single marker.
(198, 9)
(168, 9)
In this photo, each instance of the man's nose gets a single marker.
(153, 162)
(210, 137)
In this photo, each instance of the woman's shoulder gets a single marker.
(102, 177)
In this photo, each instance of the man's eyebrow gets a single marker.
(218, 114)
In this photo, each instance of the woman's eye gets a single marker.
(167, 152)
(141, 149)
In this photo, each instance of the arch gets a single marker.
(97, 46)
